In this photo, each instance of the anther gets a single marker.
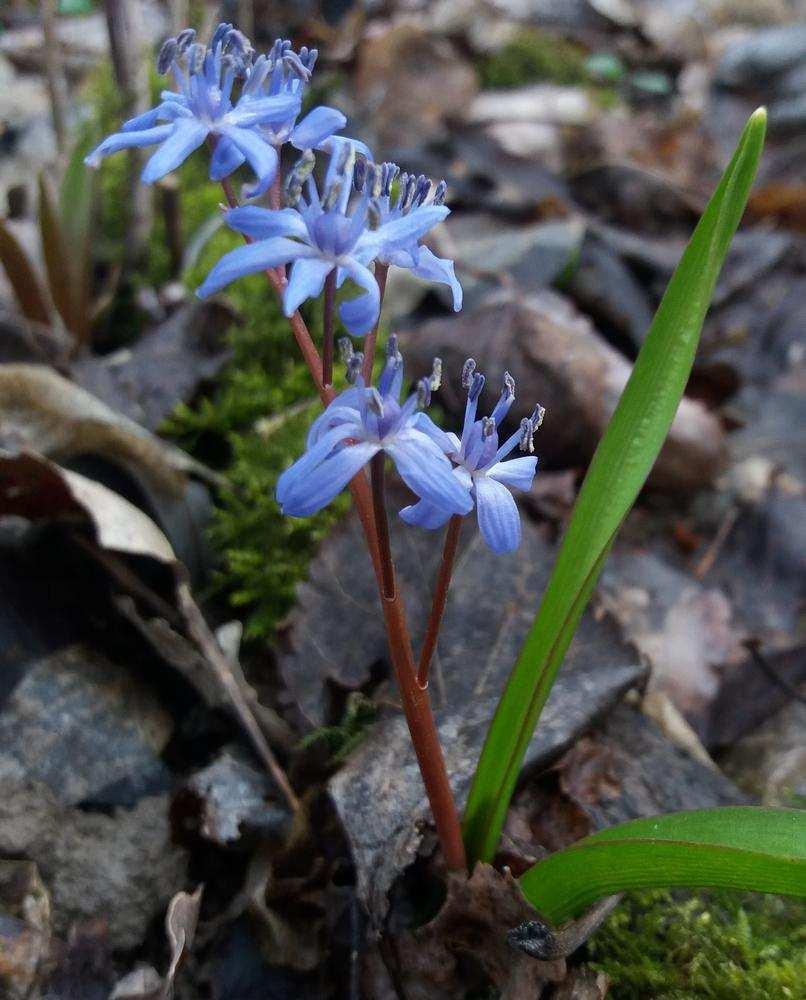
(300, 172)
(346, 349)
(185, 39)
(436, 374)
(487, 427)
(375, 402)
(332, 195)
(467, 372)
(392, 352)
(360, 173)
(167, 55)
(509, 384)
(439, 193)
(537, 416)
(423, 393)
(476, 385)
(527, 441)
(220, 34)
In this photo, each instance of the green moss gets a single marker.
(675, 946)
(341, 740)
(531, 56)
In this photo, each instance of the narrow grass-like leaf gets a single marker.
(22, 277)
(76, 196)
(617, 472)
(58, 262)
(736, 847)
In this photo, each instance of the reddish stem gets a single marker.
(381, 271)
(415, 701)
(329, 323)
(440, 598)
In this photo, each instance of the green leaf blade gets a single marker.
(617, 473)
(743, 847)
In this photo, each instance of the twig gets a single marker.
(706, 563)
(440, 598)
(207, 643)
(54, 72)
(371, 340)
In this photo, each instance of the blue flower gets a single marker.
(285, 73)
(412, 199)
(202, 106)
(317, 235)
(363, 421)
(481, 470)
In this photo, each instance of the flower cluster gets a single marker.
(359, 217)
(340, 229)
(248, 129)
(365, 420)
(481, 469)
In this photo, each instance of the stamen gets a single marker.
(476, 386)
(439, 193)
(185, 39)
(467, 372)
(527, 441)
(423, 393)
(220, 34)
(196, 54)
(537, 416)
(167, 55)
(389, 172)
(436, 374)
(509, 384)
(346, 349)
(332, 196)
(392, 352)
(360, 172)
(487, 427)
(295, 181)
(375, 402)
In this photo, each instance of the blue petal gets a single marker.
(434, 268)
(263, 223)
(499, 521)
(258, 110)
(345, 406)
(426, 471)
(249, 260)
(517, 473)
(316, 126)
(360, 315)
(226, 158)
(425, 515)
(306, 282)
(261, 155)
(334, 144)
(127, 140)
(292, 481)
(445, 442)
(327, 480)
(186, 135)
(168, 111)
(410, 228)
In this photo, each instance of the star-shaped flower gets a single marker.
(203, 106)
(480, 469)
(363, 421)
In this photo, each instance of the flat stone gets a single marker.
(542, 102)
(86, 728)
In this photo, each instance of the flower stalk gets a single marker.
(440, 598)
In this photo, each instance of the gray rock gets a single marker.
(122, 868)
(84, 727)
(762, 55)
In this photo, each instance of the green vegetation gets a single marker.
(341, 740)
(677, 946)
(531, 56)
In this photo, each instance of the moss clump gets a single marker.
(531, 56)
(261, 411)
(675, 946)
(341, 740)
